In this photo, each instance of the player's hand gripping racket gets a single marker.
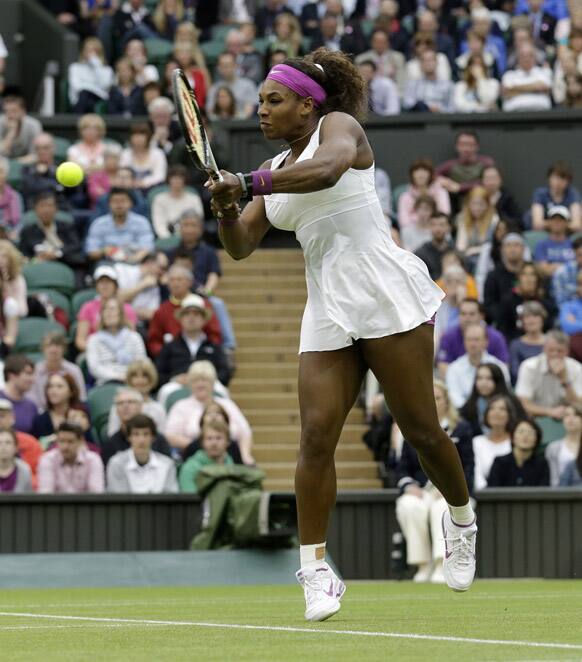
(197, 142)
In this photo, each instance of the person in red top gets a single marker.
(29, 448)
(165, 326)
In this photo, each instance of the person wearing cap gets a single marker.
(191, 345)
(504, 276)
(120, 234)
(106, 284)
(559, 191)
(29, 448)
(557, 249)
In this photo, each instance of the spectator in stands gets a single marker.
(499, 419)
(460, 375)
(10, 203)
(286, 36)
(214, 451)
(139, 469)
(420, 505)
(164, 326)
(565, 278)
(558, 193)
(168, 206)
(61, 394)
(142, 376)
(124, 179)
(389, 63)
(505, 204)
(18, 377)
(244, 90)
(489, 381)
(148, 162)
(527, 87)
(121, 235)
(432, 251)
(249, 61)
(477, 92)
(475, 224)
(571, 311)
(421, 182)
(41, 175)
(382, 91)
(191, 60)
(567, 88)
(3, 54)
(505, 274)
(423, 43)
(414, 234)
(106, 284)
(13, 283)
(550, 381)
(183, 424)
(89, 151)
(191, 345)
(54, 345)
(427, 25)
(543, 17)
(463, 173)
(100, 182)
(29, 449)
(166, 130)
(111, 349)
(457, 285)
(266, 15)
(212, 413)
(490, 256)
(139, 285)
(522, 467)
(50, 240)
(126, 96)
(572, 474)
(388, 19)
(129, 403)
(70, 468)
(131, 21)
(145, 73)
(15, 474)
(557, 249)
(561, 452)
(429, 93)
(90, 78)
(17, 130)
(476, 48)
(224, 106)
(522, 36)
(481, 24)
(532, 318)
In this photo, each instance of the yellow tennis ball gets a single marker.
(70, 174)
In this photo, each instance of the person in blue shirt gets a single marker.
(121, 235)
(557, 249)
(564, 280)
(557, 9)
(558, 192)
(482, 23)
(571, 311)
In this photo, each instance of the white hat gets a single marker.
(105, 271)
(193, 301)
(559, 210)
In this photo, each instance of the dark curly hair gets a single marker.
(346, 89)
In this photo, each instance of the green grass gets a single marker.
(528, 611)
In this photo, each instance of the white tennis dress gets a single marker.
(360, 284)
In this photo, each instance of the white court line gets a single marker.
(280, 628)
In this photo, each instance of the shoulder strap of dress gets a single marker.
(277, 160)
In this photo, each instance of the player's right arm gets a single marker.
(241, 238)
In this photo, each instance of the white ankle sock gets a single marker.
(463, 515)
(312, 554)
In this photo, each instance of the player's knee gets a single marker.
(423, 439)
(317, 442)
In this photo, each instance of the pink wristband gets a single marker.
(262, 182)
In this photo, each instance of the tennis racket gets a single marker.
(197, 142)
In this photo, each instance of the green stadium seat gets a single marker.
(79, 298)
(212, 49)
(50, 275)
(167, 243)
(551, 429)
(178, 394)
(262, 43)
(367, 26)
(58, 299)
(14, 173)
(158, 50)
(30, 217)
(219, 32)
(61, 147)
(100, 401)
(31, 331)
(533, 237)
(154, 191)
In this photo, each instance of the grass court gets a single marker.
(495, 620)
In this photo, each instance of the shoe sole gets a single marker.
(325, 616)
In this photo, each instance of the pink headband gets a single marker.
(297, 81)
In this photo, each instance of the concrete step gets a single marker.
(288, 453)
(291, 267)
(267, 401)
(344, 484)
(270, 295)
(248, 339)
(267, 370)
(276, 279)
(265, 255)
(247, 385)
(263, 326)
(281, 417)
(270, 311)
(290, 433)
(361, 470)
(266, 355)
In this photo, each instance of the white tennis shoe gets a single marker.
(323, 591)
(459, 559)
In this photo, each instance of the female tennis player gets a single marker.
(370, 304)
